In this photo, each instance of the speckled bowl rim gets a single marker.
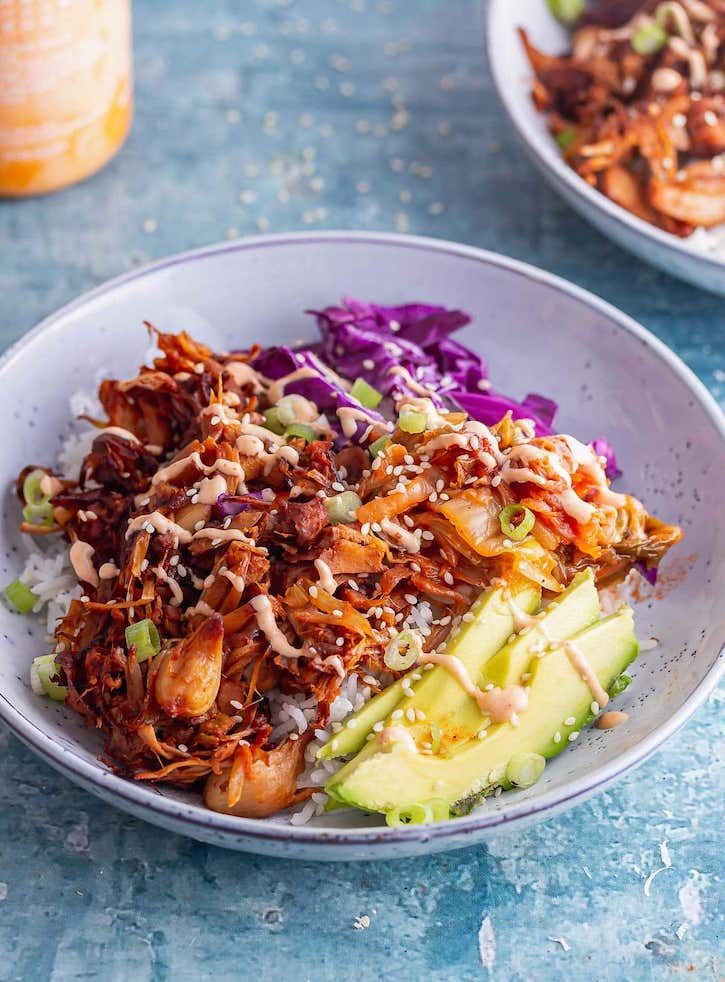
(558, 168)
(202, 823)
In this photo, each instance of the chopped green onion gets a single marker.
(619, 685)
(20, 597)
(416, 813)
(300, 430)
(272, 421)
(649, 38)
(403, 651)
(565, 138)
(289, 408)
(341, 507)
(411, 421)
(365, 394)
(38, 514)
(31, 487)
(379, 446)
(144, 637)
(524, 521)
(567, 11)
(42, 671)
(523, 770)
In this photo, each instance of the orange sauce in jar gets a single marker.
(65, 90)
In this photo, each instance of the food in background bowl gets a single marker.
(637, 105)
(282, 558)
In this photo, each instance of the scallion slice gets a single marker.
(516, 521)
(411, 421)
(567, 11)
(341, 507)
(619, 685)
(365, 394)
(272, 421)
(523, 770)
(144, 637)
(20, 597)
(417, 813)
(38, 513)
(31, 487)
(379, 446)
(403, 651)
(565, 138)
(300, 430)
(42, 671)
(649, 38)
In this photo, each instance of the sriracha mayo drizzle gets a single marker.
(276, 388)
(586, 672)
(326, 580)
(349, 417)
(400, 536)
(159, 523)
(264, 613)
(81, 557)
(243, 374)
(397, 734)
(177, 594)
(222, 466)
(119, 431)
(500, 704)
(607, 721)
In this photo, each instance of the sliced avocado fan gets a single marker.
(480, 637)
(386, 778)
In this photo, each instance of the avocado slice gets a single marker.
(442, 700)
(478, 638)
(384, 778)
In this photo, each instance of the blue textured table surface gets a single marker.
(373, 114)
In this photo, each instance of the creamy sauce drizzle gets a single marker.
(119, 431)
(585, 670)
(264, 613)
(201, 608)
(177, 594)
(81, 557)
(349, 416)
(159, 523)
(607, 721)
(400, 536)
(222, 466)
(326, 581)
(50, 486)
(108, 571)
(243, 374)
(397, 734)
(411, 382)
(210, 488)
(235, 579)
(500, 704)
(228, 535)
(276, 388)
(586, 460)
(525, 454)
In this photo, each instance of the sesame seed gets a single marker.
(337, 486)
(557, 737)
(353, 585)
(365, 528)
(573, 735)
(432, 497)
(294, 736)
(570, 721)
(183, 748)
(447, 578)
(235, 704)
(215, 420)
(445, 620)
(428, 536)
(482, 734)
(313, 591)
(337, 613)
(340, 642)
(397, 714)
(410, 714)
(594, 707)
(198, 526)
(377, 728)
(420, 715)
(144, 565)
(410, 598)
(376, 527)
(408, 521)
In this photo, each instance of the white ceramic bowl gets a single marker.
(512, 76)
(539, 334)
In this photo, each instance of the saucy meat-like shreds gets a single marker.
(638, 107)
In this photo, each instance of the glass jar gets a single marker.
(65, 90)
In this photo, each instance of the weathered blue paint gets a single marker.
(371, 114)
